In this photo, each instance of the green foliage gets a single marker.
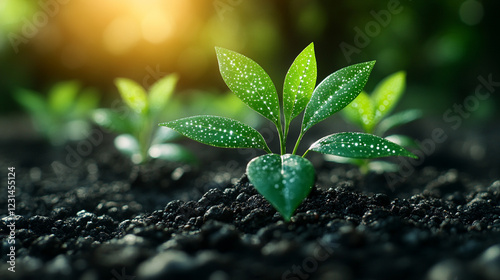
(358, 145)
(219, 132)
(63, 115)
(140, 138)
(284, 179)
(299, 84)
(372, 114)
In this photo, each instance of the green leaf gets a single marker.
(250, 83)
(219, 132)
(31, 101)
(397, 119)
(299, 83)
(160, 93)
(335, 92)
(171, 152)
(133, 94)
(87, 101)
(112, 120)
(285, 181)
(361, 112)
(387, 93)
(358, 145)
(62, 97)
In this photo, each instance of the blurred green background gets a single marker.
(443, 45)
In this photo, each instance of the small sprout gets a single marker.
(64, 114)
(372, 114)
(284, 179)
(140, 139)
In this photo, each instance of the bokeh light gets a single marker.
(438, 44)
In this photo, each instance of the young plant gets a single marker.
(284, 179)
(63, 115)
(372, 114)
(140, 138)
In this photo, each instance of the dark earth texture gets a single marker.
(97, 216)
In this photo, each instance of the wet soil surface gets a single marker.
(88, 213)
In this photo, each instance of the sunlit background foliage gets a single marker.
(442, 45)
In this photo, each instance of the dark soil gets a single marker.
(107, 219)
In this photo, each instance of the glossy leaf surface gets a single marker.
(358, 145)
(285, 181)
(335, 92)
(250, 83)
(299, 83)
(133, 94)
(387, 93)
(361, 112)
(219, 132)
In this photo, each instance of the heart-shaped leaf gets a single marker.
(285, 181)
(335, 92)
(358, 145)
(219, 132)
(387, 93)
(250, 83)
(133, 94)
(299, 83)
(160, 93)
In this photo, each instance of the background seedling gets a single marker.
(284, 179)
(140, 138)
(372, 115)
(64, 114)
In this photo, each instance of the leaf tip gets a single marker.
(412, 155)
(219, 50)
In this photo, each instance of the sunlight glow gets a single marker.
(156, 27)
(121, 35)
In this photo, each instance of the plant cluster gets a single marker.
(63, 115)
(139, 136)
(286, 179)
(372, 113)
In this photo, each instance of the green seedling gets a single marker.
(284, 179)
(139, 137)
(372, 115)
(64, 114)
